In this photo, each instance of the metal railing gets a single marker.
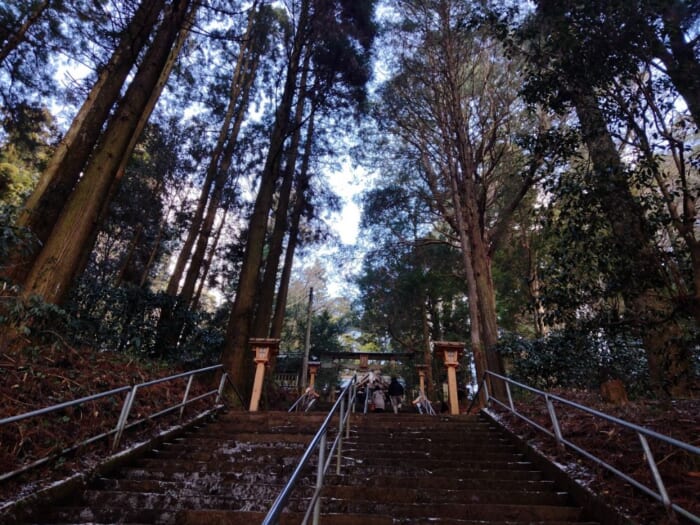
(660, 494)
(305, 401)
(423, 404)
(123, 423)
(343, 406)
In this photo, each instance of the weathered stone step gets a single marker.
(252, 428)
(436, 452)
(85, 515)
(454, 472)
(472, 511)
(215, 517)
(237, 464)
(254, 474)
(437, 436)
(427, 463)
(213, 485)
(259, 437)
(218, 517)
(227, 452)
(441, 482)
(426, 493)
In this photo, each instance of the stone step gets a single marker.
(439, 511)
(259, 437)
(407, 455)
(428, 494)
(215, 517)
(397, 469)
(452, 472)
(271, 474)
(213, 485)
(441, 482)
(218, 517)
(428, 463)
(216, 465)
(227, 452)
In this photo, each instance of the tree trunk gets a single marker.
(681, 63)
(43, 207)
(222, 174)
(207, 263)
(138, 130)
(235, 358)
(55, 267)
(233, 109)
(302, 187)
(670, 365)
(261, 325)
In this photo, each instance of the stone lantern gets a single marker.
(364, 362)
(450, 353)
(263, 348)
(313, 370)
(421, 376)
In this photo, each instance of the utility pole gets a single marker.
(307, 342)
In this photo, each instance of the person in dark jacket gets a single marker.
(395, 394)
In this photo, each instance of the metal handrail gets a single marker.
(423, 404)
(343, 406)
(122, 425)
(642, 433)
(305, 401)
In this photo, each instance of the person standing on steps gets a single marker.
(395, 394)
(378, 399)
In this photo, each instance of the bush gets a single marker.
(575, 359)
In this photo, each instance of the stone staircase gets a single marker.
(398, 469)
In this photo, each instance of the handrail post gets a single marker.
(220, 391)
(655, 472)
(487, 397)
(126, 409)
(347, 418)
(187, 394)
(340, 436)
(510, 397)
(319, 477)
(555, 422)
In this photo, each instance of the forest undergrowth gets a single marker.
(621, 448)
(40, 377)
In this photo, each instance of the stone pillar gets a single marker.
(263, 349)
(450, 353)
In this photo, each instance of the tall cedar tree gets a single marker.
(72, 237)
(43, 207)
(341, 34)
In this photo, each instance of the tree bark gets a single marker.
(302, 187)
(235, 357)
(209, 260)
(261, 324)
(670, 364)
(224, 137)
(43, 207)
(55, 267)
